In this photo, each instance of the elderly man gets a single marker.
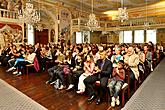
(132, 60)
(103, 72)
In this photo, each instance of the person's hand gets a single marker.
(126, 62)
(85, 64)
(77, 66)
(114, 58)
(56, 61)
(60, 62)
(65, 61)
(75, 69)
(96, 68)
(98, 71)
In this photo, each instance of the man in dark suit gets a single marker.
(103, 73)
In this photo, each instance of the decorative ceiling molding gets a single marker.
(102, 5)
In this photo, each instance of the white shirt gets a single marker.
(30, 57)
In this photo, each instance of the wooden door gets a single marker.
(41, 36)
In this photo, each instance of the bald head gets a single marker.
(130, 51)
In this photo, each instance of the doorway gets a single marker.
(41, 36)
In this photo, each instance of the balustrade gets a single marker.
(8, 14)
(138, 23)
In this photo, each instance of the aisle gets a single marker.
(12, 99)
(151, 94)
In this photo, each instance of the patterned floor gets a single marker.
(151, 94)
(12, 99)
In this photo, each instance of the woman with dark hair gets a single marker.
(76, 72)
(29, 59)
(110, 53)
(65, 69)
(88, 70)
(148, 57)
(150, 46)
(141, 55)
(116, 83)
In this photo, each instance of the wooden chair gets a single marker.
(136, 84)
(35, 65)
(142, 70)
(126, 87)
(27, 68)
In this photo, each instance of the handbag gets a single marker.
(57, 83)
(66, 69)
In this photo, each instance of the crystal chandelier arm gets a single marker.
(146, 9)
(92, 22)
(92, 6)
(122, 3)
(29, 15)
(122, 12)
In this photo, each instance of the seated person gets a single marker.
(57, 68)
(116, 82)
(46, 55)
(29, 59)
(89, 70)
(132, 61)
(76, 71)
(141, 59)
(115, 58)
(102, 74)
(148, 58)
(16, 57)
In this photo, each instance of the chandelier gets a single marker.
(29, 15)
(92, 22)
(146, 23)
(122, 12)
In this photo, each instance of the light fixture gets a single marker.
(146, 23)
(122, 12)
(29, 15)
(92, 22)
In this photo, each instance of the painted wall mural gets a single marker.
(12, 5)
(10, 33)
(65, 18)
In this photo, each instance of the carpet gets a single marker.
(12, 99)
(151, 94)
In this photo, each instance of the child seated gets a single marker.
(116, 82)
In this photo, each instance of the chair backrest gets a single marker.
(141, 67)
(127, 76)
